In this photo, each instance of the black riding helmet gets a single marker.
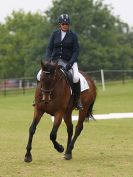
(64, 18)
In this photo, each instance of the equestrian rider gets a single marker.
(63, 47)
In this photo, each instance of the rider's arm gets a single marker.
(75, 49)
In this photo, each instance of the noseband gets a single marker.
(47, 92)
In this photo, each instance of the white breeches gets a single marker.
(74, 70)
(39, 75)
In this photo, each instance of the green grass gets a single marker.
(117, 98)
(104, 149)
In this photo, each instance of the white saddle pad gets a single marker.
(83, 83)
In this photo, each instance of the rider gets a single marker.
(63, 47)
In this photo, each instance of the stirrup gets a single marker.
(79, 105)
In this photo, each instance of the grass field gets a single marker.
(117, 98)
(104, 149)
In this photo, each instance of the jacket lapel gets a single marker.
(59, 35)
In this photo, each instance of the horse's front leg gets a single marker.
(68, 122)
(32, 129)
(78, 129)
(53, 134)
(68, 154)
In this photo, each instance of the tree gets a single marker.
(105, 41)
(23, 43)
(99, 31)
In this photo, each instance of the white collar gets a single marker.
(63, 33)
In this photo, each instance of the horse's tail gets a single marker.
(90, 112)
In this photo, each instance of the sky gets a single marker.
(121, 8)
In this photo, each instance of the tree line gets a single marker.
(105, 41)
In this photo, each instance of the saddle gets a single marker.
(83, 82)
(75, 88)
(68, 77)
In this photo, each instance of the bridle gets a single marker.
(47, 92)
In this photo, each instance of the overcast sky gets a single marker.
(122, 8)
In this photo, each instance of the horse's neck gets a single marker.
(59, 75)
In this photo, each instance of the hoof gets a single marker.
(68, 156)
(60, 148)
(28, 159)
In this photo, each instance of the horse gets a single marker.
(54, 96)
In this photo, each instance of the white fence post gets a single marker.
(20, 83)
(102, 78)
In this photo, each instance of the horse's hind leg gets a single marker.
(32, 129)
(53, 134)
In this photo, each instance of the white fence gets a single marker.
(20, 85)
(105, 76)
(101, 77)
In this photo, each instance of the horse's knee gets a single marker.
(32, 129)
(70, 129)
(79, 129)
(53, 134)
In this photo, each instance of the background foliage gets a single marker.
(105, 41)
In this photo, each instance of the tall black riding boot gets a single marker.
(77, 101)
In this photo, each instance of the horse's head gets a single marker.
(47, 80)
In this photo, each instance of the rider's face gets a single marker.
(64, 26)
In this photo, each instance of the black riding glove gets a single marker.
(68, 66)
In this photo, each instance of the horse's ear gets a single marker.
(42, 64)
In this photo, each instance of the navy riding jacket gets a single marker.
(66, 49)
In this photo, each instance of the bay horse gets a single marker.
(53, 96)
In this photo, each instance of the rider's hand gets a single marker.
(68, 66)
